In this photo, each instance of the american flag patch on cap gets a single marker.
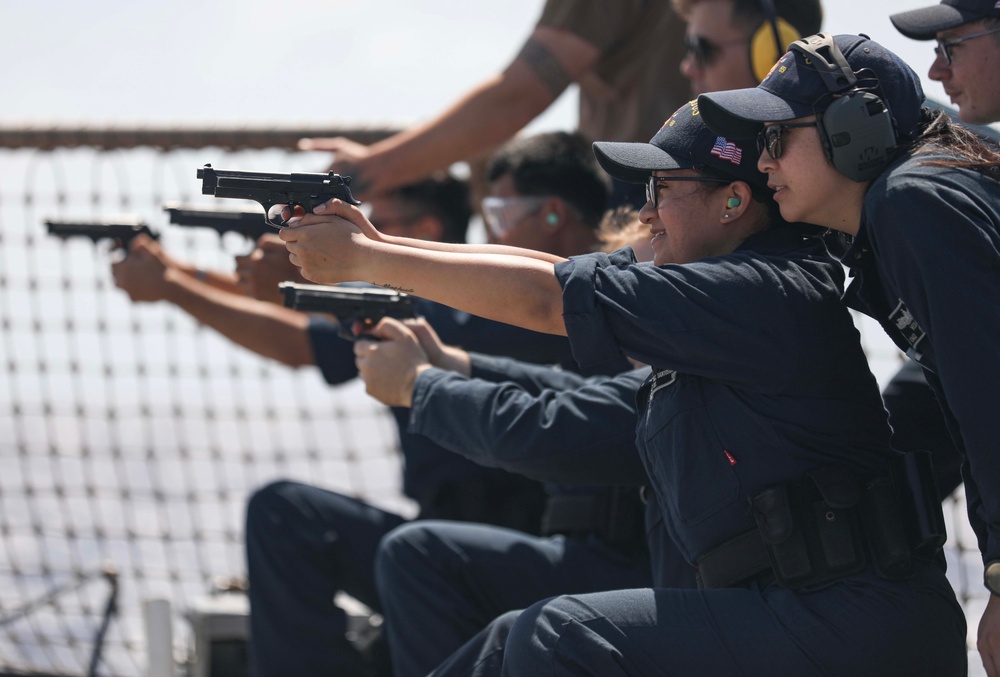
(727, 150)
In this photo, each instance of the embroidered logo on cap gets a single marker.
(727, 150)
(780, 66)
(690, 105)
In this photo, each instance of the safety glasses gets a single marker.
(943, 49)
(503, 214)
(769, 138)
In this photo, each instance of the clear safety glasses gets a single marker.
(503, 214)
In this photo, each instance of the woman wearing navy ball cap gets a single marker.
(848, 146)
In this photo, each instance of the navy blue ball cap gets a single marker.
(683, 142)
(794, 88)
(925, 23)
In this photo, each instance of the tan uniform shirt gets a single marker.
(635, 85)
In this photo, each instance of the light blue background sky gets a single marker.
(303, 61)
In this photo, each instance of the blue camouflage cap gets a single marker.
(794, 88)
(683, 142)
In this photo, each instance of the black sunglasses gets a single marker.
(769, 138)
(651, 185)
(703, 50)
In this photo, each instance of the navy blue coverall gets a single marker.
(759, 378)
(926, 265)
(450, 580)
(305, 543)
(918, 424)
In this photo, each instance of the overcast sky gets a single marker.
(303, 61)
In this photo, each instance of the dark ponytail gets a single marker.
(937, 133)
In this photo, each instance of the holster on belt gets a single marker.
(811, 529)
(833, 524)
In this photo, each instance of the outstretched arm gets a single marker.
(335, 207)
(483, 118)
(497, 283)
(147, 274)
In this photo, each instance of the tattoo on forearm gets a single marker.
(402, 290)
(546, 66)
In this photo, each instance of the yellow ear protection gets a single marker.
(770, 40)
(857, 130)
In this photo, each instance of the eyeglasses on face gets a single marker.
(653, 183)
(943, 49)
(704, 50)
(769, 138)
(503, 214)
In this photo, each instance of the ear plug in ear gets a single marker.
(733, 203)
(552, 219)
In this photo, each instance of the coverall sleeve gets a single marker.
(580, 436)
(532, 377)
(939, 249)
(702, 318)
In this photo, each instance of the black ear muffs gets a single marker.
(856, 129)
(770, 41)
(858, 135)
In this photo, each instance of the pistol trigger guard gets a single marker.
(267, 215)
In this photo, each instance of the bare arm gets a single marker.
(988, 638)
(218, 279)
(339, 208)
(518, 290)
(225, 281)
(267, 329)
(147, 275)
(485, 117)
(430, 245)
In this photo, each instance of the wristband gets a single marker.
(991, 577)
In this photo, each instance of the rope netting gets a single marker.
(130, 437)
